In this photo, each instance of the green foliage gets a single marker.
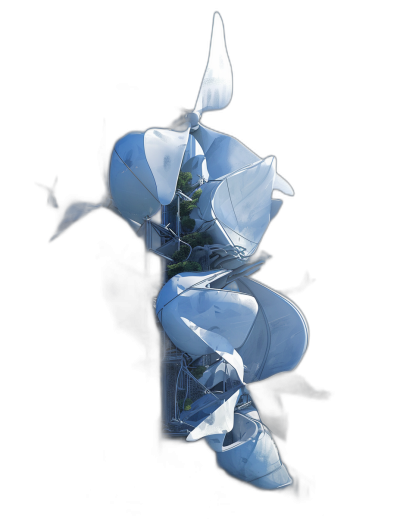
(195, 239)
(186, 406)
(187, 206)
(198, 371)
(198, 239)
(184, 182)
(182, 267)
(187, 223)
(196, 195)
(182, 254)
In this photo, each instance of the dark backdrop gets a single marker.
(91, 379)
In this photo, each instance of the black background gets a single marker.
(90, 389)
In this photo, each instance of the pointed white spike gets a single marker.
(282, 185)
(217, 85)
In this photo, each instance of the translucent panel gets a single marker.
(204, 203)
(243, 201)
(288, 334)
(243, 430)
(74, 213)
(274, 480)
(220, 421)
(220, 345)
(216, 88)
(194, 166)
(282, 185)
(130, 196)
(229, 314)
(130, 149)
(275, 207)
(251, 457)
(255, 349)
(223, 153)
(217, 373)
(164, 151)
(184, 281)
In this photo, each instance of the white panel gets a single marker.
(274, 480)
(275, 207)
(216, 88)
(164, 151)
(133, 200)
(182, 282)
(282, 185)
(287, 330)
(194, 166)
(243, 201)
(220, 421)
(224, 154)
(252, 456)
(130, 149)
(220, 345)
(229, 314)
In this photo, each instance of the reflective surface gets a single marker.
(216, 88)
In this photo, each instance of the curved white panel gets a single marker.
(220, 345)
(164, 151)
(132, 198)
(274, 480)
(230, 314)
(216, 88)
(279, 338)
(253, 458)
(220, 421)
(224, 154)
(282, 185)
(243, 200)
(130, 149)
(179, 283)
(275, 207)
(194, 166)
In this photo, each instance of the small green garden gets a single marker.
(195, 239)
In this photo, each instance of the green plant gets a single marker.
(186, 406)
(187, 206)
(184, 182)
(198, 371)
(182, 267)
(182, 254)
(187, 223)
(198, 239)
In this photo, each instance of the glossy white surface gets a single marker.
(253, 458)
(219, 422)
(224, 154)
(216, 88)
(279, 337)
(241, 204)
(164, 151)
(144, 171)
(229, 314)
(220, 345)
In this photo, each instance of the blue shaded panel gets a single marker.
(255, 349)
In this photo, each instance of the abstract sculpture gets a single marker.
(222, 330)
